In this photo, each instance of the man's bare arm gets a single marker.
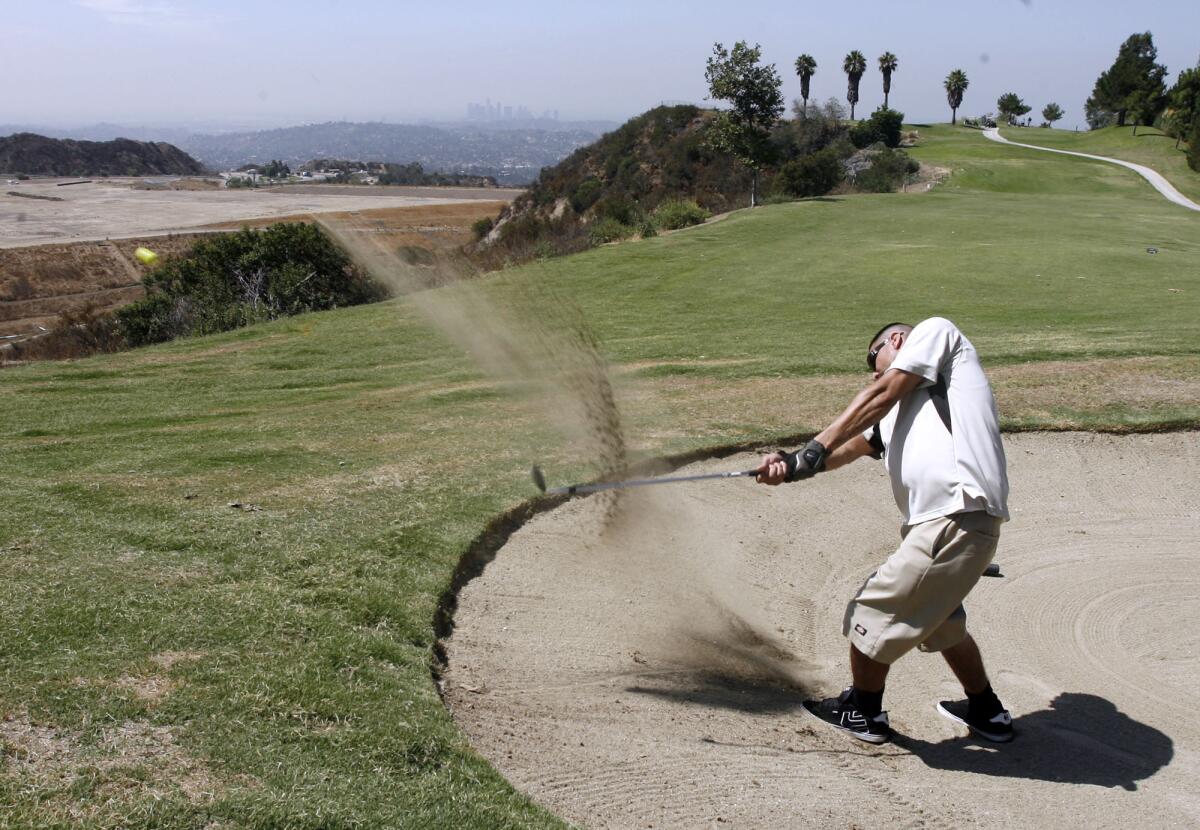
(868, 407)
(852, 450)
(773, 468)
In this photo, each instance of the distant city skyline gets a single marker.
(221, 64)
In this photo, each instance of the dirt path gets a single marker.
(1156, 179)
(651, 675)
(118, 208)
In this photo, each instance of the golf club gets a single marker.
(992, 570)
(578, 489)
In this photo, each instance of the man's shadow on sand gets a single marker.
(1079, 739)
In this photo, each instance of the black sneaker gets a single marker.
(841, 713)
(998, 728)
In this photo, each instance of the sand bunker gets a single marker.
(652, 677)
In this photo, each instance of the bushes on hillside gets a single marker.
(609, 229)
(888, 171)
(658, 171)
(246, 277)
(883, 125)
(1194, 144)
(482, 227)
(678, 213)
(812, 175)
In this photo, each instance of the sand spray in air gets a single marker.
(533, 337)
(701, 619)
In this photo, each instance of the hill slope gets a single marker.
(38, 155)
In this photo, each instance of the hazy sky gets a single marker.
(194, 62)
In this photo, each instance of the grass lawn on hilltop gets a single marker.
(170, 660)
(1151, 147)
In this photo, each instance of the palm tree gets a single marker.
(956, 85)
(887, 65)
(854, 66)
(805, 67)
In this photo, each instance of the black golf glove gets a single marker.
(805, 463)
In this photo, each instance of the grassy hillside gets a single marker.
(1150, 147)
(171, 660)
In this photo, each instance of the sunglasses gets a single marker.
(874, 353)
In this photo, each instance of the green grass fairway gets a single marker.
(171, 661)
(1150, 147)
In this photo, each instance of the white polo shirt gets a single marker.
(937, 471)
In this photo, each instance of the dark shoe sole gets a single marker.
(862, 736)
(994, 737)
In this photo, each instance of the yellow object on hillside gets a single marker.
(145, 256)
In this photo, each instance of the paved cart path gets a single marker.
(1153, 176)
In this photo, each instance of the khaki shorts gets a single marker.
(915, 598)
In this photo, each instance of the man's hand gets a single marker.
(782, 466)
(772, 470)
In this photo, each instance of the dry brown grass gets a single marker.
(1051, 393)
(121, 767)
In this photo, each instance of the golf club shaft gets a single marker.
(576, 489)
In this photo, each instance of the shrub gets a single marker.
(230, 281)
(883, 125)
(679, 213)
(585, 195)
(812, 175)
(609, 229)
(75, 334)
(622, 210)
(888, 170)
(815, 130)
(482, 227)
(1194, 144)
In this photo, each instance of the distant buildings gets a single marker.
(488, 111)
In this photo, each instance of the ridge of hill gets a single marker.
(658, 155)
(658, 171)
(38, 155)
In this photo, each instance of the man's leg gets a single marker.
(869, 675)
(982, 712)
(967, 664)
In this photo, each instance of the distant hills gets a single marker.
(511, 156)
(38, 155)
(511, 152)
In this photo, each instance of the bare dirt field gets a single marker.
(117, 208)
(39, 283)
(650, 674)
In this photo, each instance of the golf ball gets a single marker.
(146, 256)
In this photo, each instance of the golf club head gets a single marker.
(538, 478)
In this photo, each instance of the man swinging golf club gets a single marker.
(931, 417)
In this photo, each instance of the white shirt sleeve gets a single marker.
(929, 349)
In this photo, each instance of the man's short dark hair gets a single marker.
(875, 336)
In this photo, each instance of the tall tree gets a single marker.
(1133, 82)
(887, 65)
(956, 84)
(754, 93)
(1183, 104)
(806, 65)
(854, 66)
(1010, 106)
(1052, 112)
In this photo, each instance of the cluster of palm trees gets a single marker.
(855, 66)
